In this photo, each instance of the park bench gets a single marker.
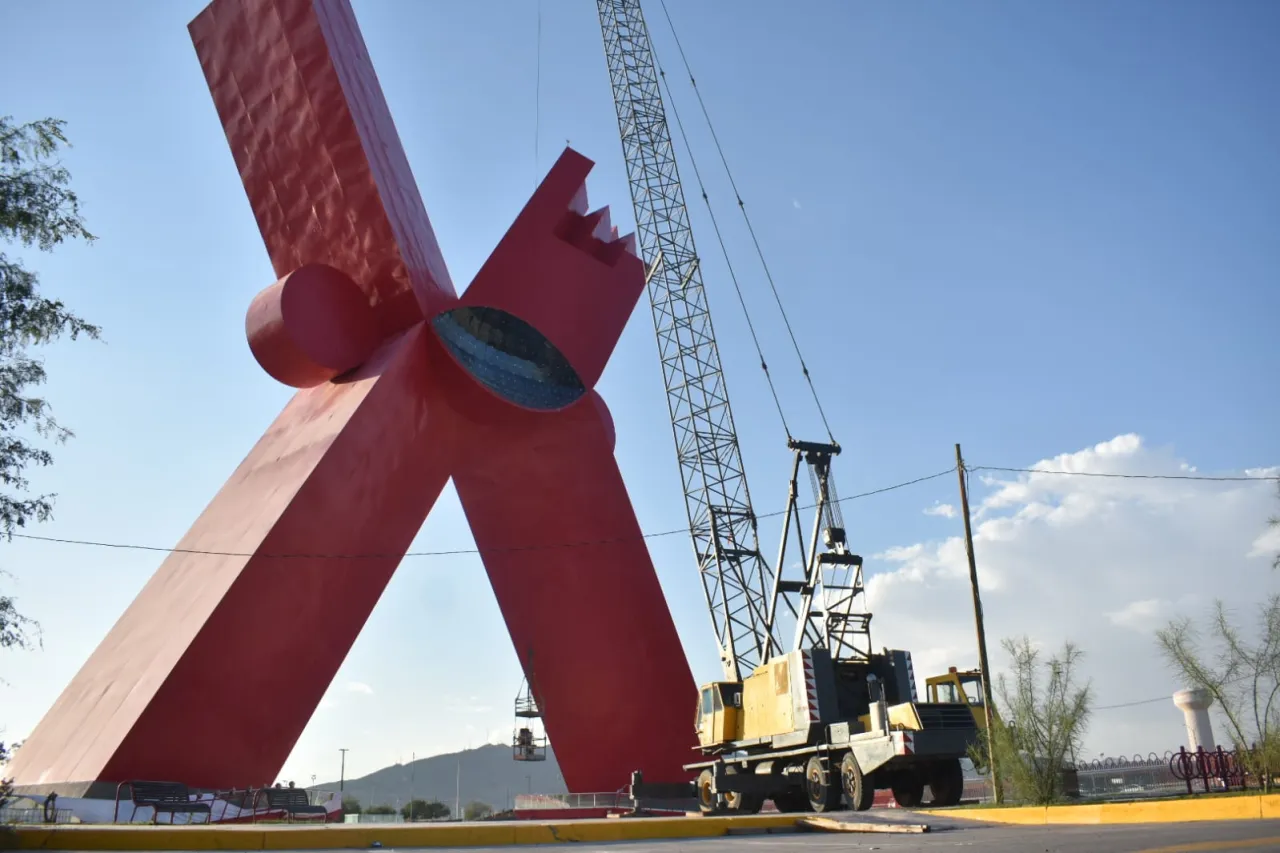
(292, 801)
(171, 797)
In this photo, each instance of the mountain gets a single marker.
(488, 774)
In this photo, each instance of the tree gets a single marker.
(1243, 679)
(1040, 720)
(476, 810)
(6, 785)
(37, 208)
(350, 805)
(424, 810)
(380, 810)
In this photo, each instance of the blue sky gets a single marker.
(1029, 228)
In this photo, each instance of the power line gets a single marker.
(1133, 704)
(1168, 697)
(1206, 477)
(456, 552)
(446, 553)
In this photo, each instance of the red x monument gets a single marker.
(213, 671)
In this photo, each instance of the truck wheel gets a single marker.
(823, 795)
(946, 781)
(709, 802)
(908, 787)
(739, 802)
(858, 789)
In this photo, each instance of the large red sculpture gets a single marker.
(211, 674)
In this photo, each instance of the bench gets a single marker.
(171, 797)
(292, 801)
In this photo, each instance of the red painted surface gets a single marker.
(213, 671)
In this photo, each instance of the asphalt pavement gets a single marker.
(1253, 836)
(1245, 836)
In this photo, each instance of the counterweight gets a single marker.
(734, 575)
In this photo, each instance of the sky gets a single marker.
(1050, 232)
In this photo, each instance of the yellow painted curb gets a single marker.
(357, 836)
(1159, 811)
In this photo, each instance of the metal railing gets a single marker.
(1146, 776)
(613, 800)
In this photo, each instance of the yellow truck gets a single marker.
(810, 734)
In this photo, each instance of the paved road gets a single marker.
(1236, 836)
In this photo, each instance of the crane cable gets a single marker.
(733, 276)
(743, 207)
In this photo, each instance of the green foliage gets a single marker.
(37, 208)
(350, 805)
(476, 810)
(1040, 720)
(1243, 679)
(424, 810)
(6, 785)
(380, 810)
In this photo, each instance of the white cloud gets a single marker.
(359, 687)
(1146, 614)
(795, 203)
(1100, 561)
(944, 510)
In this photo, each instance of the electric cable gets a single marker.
(447, 553)
(742, 206)
(652, 535)
(1119, 476)
(733, 276)
(1168, 697)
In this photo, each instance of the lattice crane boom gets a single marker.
(735, 577)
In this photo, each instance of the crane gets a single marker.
(820, 718)
(745, 598)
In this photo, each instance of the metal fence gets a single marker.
(11, 815)
(1146, 776)
(618, 799)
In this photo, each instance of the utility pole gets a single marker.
(987, 702)
(342, 774)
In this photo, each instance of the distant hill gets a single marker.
(488, 774)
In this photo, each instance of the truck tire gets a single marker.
(709, 802)
(908, 787)
(822, 790)
(946, 781)
(738, 802)
(858, 789)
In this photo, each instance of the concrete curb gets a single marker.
(1258, 807)
(356, 836)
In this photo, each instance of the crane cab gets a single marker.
(959, 688)
(719, 716)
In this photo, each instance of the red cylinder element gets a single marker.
(310, 326)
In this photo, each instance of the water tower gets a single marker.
(1195, 704)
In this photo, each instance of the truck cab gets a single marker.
(959, 687)
(719, 717)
